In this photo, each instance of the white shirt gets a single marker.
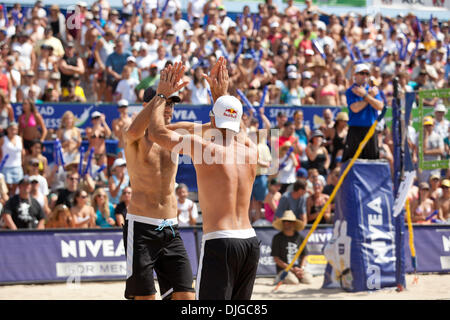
(43, 185)
(183, 217)
(287, 174)
(180, 26)
(199, 95)
(197, 8)
(126, 88)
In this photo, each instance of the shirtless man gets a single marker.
(120, 124)
(151, 237)
(230, 249)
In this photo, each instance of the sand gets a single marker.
(429, 287)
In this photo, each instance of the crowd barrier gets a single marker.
(73, 255)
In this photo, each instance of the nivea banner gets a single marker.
(79, 255)
(432, 243)
(361, 252)
(52, 113)
(70, 256)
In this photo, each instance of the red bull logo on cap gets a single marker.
(230, 112)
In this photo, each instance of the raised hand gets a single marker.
(218, 79)
(170, 79)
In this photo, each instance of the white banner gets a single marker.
(432, 5)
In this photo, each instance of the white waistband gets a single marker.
(238, 234)
(152, 221)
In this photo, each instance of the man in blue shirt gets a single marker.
(363, 102)
(294, 200)
(114, 66)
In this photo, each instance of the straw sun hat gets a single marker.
(288, 215)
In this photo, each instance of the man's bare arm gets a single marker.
(137, 128)
(158, 131)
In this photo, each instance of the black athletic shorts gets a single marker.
(149, 248)
(228, 264)
(354, 137)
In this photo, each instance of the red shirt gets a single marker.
(4, 83)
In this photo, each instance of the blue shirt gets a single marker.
(101, 221)
(117, 61)
(367, 116)
(298, 206)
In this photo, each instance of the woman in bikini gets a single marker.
(315, 203)
(82, 213)
(327, 94)
(31, 124)
(272, 199)
(423, 206)
(70, 137)
(97, 134)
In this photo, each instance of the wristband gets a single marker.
(161, 96)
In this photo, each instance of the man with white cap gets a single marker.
(440, 123)
(225, 161)
(364, 103)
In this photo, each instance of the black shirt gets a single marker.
(65, 78)
(25, 213)
(285, 248)
(66, 197)
(121, 208)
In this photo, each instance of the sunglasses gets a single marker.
(84, 196)
(126, 192)
(364, 73)
(72, 178)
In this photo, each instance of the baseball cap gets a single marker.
(309, 52)
(428, 121)
(118, 163)
(307, 75)
(361, 67)
(96, 114)
(228, 113)
(122, 103)
(25, 179)
(292, 75)
(274, 24)
(445, 183)
(440, 108)
(132, 59)
(291, 68)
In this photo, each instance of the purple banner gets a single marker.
(87, 255)
(70, 256)
(432, 243)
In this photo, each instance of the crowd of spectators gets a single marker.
(96, 53)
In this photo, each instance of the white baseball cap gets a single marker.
(96, 114)
(440, 108)
(122, 103)
(118, 162)
(228, 113)
(362, 67)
